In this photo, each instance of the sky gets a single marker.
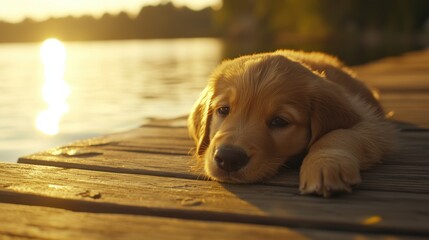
(17, 10)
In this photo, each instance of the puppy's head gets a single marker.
(259, 111)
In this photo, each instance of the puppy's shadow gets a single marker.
(275, 197)
(279, 202)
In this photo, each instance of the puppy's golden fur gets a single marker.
(275, 106)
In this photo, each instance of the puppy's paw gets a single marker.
(326, 175)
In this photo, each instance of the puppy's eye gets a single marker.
(278, 122)
(223, 111)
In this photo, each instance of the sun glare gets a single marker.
(55, 90)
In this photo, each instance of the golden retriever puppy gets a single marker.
(259, 111)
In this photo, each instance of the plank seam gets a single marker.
(107, 169)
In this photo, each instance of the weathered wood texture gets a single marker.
(214, 201)
(140, 181)
(20, 221)
(31, 222)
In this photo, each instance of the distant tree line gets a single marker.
(162, 21)
(243, 20)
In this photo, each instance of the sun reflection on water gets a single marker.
(55, 89)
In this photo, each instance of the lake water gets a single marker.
(86, 89)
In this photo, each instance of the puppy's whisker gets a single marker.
(285, 165)
(270, 169)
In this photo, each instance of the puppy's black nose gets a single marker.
(230, 158)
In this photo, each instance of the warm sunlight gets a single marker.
(17, 10)
(55, 90)
(372, 220)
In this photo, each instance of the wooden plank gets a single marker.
(125, 161)
(405, 178)
(408, 71)
(151, 139)
(403, 82)
(31, 222)
(404, 170)
(408, 107)
(79, 190)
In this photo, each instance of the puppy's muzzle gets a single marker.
(230, 158)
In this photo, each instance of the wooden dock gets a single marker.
(137, 184)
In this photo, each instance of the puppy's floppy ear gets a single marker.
(330, 110)
(199, 121)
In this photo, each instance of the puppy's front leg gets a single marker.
(334, 161)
